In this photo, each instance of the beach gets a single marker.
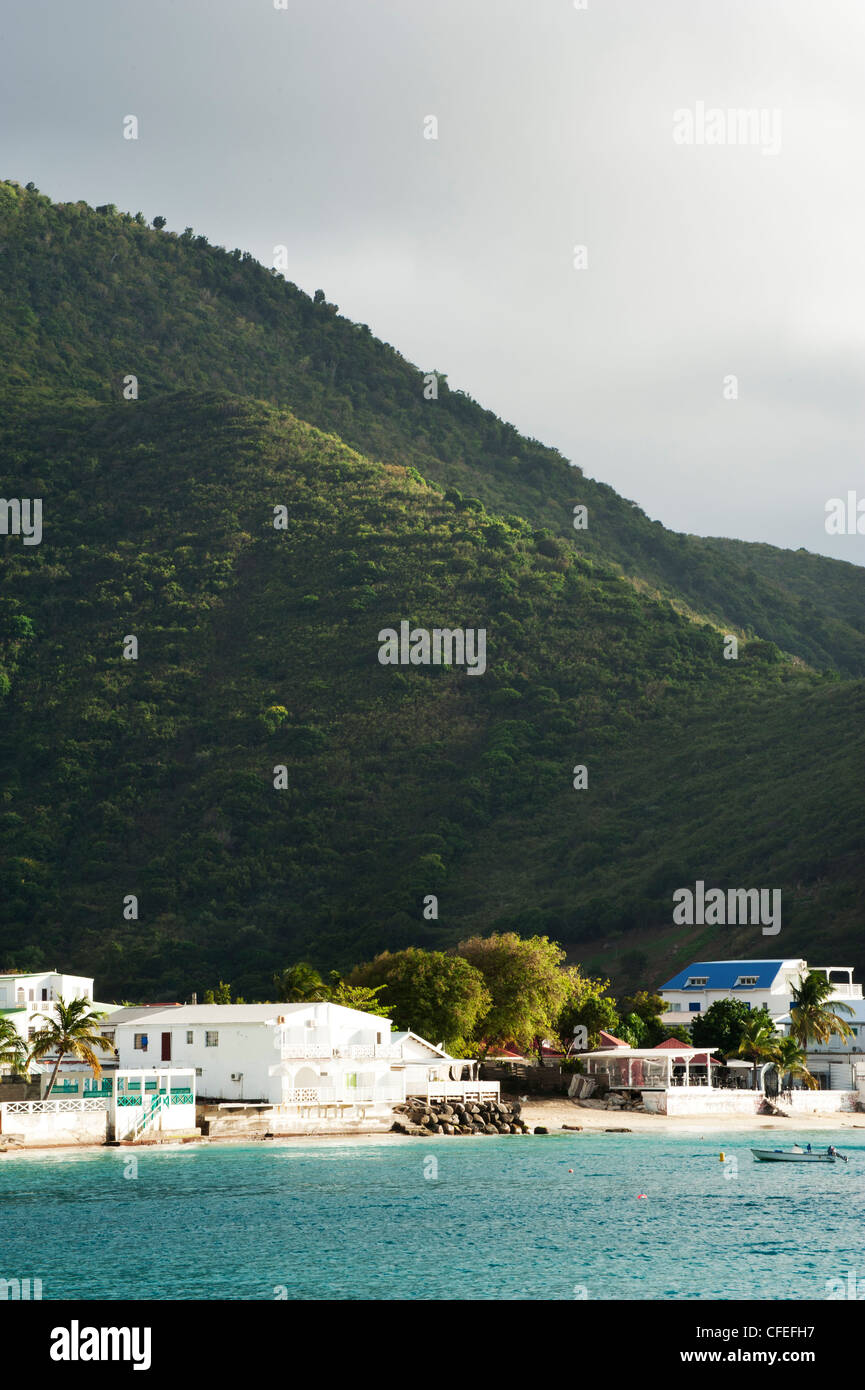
(557, 1111)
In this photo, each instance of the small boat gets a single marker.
(796, 1155)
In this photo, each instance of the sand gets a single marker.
(557, 1111)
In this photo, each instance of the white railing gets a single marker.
(362, 1051)
(342, 1095)
(460, 1090)
(52, 1107)
(369, 1050)
(300, 1049)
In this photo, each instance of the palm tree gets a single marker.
(299, 984)
(74, 1031)
(791, 1061)
(811, 1017)
(13, 1049)
(757, 1041)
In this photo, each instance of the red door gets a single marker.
(166, 1047)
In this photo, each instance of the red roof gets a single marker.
(673, 1044)
(610, 1040)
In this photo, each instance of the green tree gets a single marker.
(757, 1042)
(441, 997)
(527, 985)
(299, 984)
(355, 996)
(642, 1012)
(587, 1005)
(813, 1016)
(74, 1032)
(220, 995)
(13, 1049)
(791, 1061)
(722, 1026)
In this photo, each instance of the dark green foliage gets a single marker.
(258, 649)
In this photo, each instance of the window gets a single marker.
(211, 1039)
(44, 995)
(139, 1042)
(696, 981)
(746, 980)
(198, 1071)
(675, 1008)
(189, 1037)
(694, 1008)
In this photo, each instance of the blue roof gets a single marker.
(723, 974)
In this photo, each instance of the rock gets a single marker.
(618, 1131)
(504, 1129)
(490, 1129)
(540, 1129)
(577, 1127)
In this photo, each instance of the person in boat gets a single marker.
(807, 1148)
(831, 1150)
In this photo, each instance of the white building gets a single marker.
(759, 983)
(318, 1054)
(28, 999)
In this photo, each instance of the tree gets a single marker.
(159, 223)
(758, 1042)
(526, 982)
(588, 1006)
(642, 1013)
(442, 997)
(791, 1061)
(811, 1016)
(299, 984)
(722, 1025)
(355, 996)
(220, 995)
(13, 1049)
(75, 1032)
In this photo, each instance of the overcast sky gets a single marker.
(305, 126)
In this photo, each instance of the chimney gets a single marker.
(194, 997)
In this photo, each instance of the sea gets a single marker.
(583, 1216)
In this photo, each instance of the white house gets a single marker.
(28, 999)
(319, 1054)
(759, 983)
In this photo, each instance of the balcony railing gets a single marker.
(353, 1051)
(343, 1095)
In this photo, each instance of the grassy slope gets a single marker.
(154, 777)
(86, 298)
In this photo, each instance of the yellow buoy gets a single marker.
(721, 1157)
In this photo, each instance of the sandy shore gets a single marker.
(556, 1111)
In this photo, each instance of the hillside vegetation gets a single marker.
(258, 649)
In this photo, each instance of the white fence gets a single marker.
(363, 1051)
(462, 1090)
(343, 1095)
(53, 1107)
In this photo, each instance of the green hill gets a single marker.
(87, 298)
(258, 649)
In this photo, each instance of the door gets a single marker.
(166, 1047)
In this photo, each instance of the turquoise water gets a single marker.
(504, 1219)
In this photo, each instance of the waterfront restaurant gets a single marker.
(652, 1068)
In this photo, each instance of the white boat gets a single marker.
(795, 1155)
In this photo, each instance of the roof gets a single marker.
(227, 1014)
(398, 1038)
(723, 974)
(684, 1052)
(610, 1040)
(680, 1048)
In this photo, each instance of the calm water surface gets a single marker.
(503, 1219)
